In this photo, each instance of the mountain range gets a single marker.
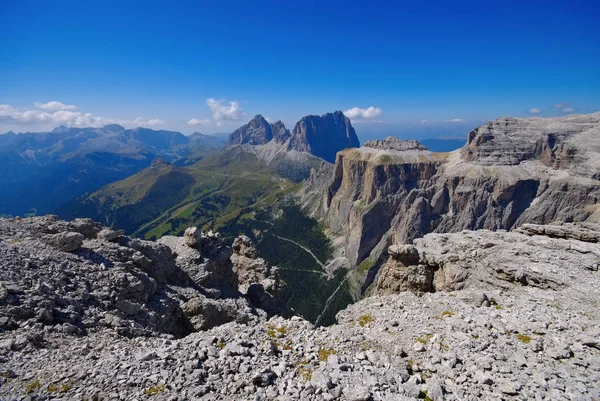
(40, 171)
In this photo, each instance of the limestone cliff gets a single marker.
(510, 171)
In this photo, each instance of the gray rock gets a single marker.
(106, 234)
(357, 394)
(65, 241)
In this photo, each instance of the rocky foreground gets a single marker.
(90, 314)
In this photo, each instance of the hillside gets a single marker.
(165, 198)
(41, 171)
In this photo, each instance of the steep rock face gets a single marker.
(256, 132)
(393, 192)
(324, 136)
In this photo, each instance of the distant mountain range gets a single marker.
(40, 171)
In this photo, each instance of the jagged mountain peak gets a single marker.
(324, 135)
(257, 131)
(60, 129)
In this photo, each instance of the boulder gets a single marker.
(66, 241)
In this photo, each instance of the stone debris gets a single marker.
(488, 338)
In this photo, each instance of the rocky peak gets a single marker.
(280, 132)
(60, 129)
(324, 136)
(257, 131)
(394, 143)
(115, 128)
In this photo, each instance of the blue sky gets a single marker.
(425, 67)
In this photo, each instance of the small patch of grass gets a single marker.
(364, 320)
(421, 340)
(155, 390)
(525, 339)
(305, 373)
(447, 313)
(33, 386)
(65, 387)
(220, 346)
(52, 388)
(282, 330)
(324, 353)
(423, 395)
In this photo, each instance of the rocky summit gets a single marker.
(324, 135)
(88, 313)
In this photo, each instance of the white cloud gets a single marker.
(561, 105)
(12, 115)
(534, 111)
(223, 110)
(196, 121)
(269, 120)
(54, 106)
(568, 110)
(155, 121)
(425, 121)
(454, 120)
(356, 112)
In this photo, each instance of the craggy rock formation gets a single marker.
(324, 136)
(523, 326)
(511, 172)
(256, 279)
(78, 277)
(492, 260)
(258, 131)
(314, 139)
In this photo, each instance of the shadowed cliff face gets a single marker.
(324, 136)
(511, 171)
